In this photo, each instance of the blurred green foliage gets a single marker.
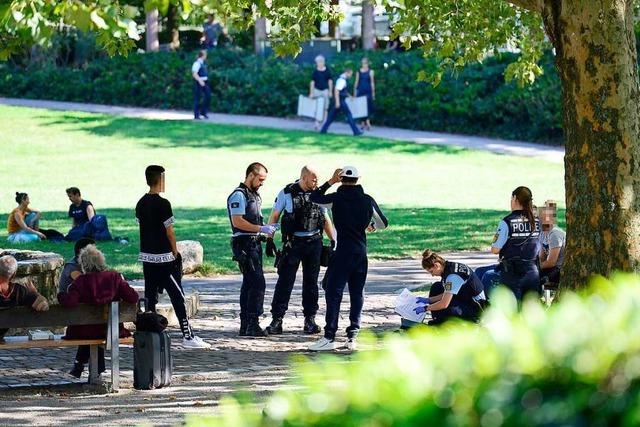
(476, 100)
(576, 364)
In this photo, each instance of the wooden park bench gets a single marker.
(111, 314)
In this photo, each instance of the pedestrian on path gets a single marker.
(302, 225)
(366, 86)
(321, 86)
(201, 89)
(340, 94)
(244, 207)
(161, 262)
(354, 213)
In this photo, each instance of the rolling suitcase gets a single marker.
(152, 361)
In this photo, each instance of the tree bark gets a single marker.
(597, 62)
(334, 29)
(260, 35)
(368, 25)
(151, 33)
(173, 23)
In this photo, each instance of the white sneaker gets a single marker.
(195, 342)
(351, 344)
(323, 344)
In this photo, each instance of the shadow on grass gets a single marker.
(180, 133)
(411, 230)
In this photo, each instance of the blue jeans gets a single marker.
(489, 277)
(334, 112)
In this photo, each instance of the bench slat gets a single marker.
(84, 314)
(12, 343)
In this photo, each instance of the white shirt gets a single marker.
(341, 83)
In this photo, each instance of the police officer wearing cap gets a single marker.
(245, 215)
(354, 213)
(517, 241)
(459, 294)
(302, 225)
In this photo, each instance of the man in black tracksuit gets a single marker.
(354, 213)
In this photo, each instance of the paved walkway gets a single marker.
(201, 377)
(516, 148)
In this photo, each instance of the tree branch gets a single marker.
(532, 5)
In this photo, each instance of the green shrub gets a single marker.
(575, 364)
(477, 101)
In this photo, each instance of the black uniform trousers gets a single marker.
(524, 280)
(345, 268)
(204, 93)
(247, 251)
(468, 312)
(164, 276)
(306, 251)
(333, 113)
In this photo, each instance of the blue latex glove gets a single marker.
(420, 300)
(269, 229)
(421, 309)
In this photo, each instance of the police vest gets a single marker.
(306, 216)
(202, 72)
(471, 280)
(252, 213)
(523, 242)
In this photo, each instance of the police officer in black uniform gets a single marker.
(518, 243)
(458, 295)
(244, 208)
(201, 89)
(354, 213)
(302, 225)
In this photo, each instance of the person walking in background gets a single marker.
(211, 32)
(321, 86)
(161, 262)
(23, 223)
(201, 89)
(366, 86)
(340, 94)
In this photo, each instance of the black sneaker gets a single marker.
(275, 328)
(77, 370)
(310, 325)
(254, 329)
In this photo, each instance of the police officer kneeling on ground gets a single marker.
(301, 228)
(518, 243)
(244, 207)
(354, 213)
(459, 294)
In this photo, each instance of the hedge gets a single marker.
(477, 101)
(576, 364)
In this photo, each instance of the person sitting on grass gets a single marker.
(71, 269)
(458, 295)
(14, 294)
(96, 286)
(81, 213)
(23, 223)
(553, 241)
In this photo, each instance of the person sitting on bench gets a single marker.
(95, 286)
(554, 241)
(458, 295)
(14, 294)
(71, 269)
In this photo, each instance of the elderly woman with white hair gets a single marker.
(96, 286)
(321, 85)
(14, 294)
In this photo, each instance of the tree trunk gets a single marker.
(173, 24)
(151, 33)
(597, 62)
(334, 29)
(260, 35)
(368, 26)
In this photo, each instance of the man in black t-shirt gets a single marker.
(321, 85)
(81, 213)
(161, 262)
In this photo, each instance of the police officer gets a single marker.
(459, 294)
(244, 208)
(201, 87)
(301, 228)
(354, 213)
(518, 243)
(340, 94)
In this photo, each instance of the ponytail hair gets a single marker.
(20, 197)
(429, 259)
(525, 198)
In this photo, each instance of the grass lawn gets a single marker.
(440, 197)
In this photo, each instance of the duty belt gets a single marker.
(316, 236)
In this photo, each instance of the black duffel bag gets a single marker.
(150, 321)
